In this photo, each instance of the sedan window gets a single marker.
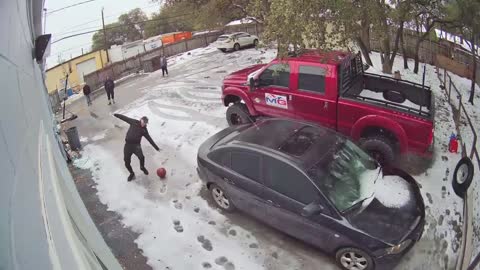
(289, 181)
(221, 157)
(246, 164)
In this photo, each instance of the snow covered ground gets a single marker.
(180, 230)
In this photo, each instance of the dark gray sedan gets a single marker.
(317, 186)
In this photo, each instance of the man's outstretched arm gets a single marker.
(124, 118)
(150, 140)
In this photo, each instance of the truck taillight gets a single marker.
(431, 139)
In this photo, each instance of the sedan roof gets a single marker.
(303, 142)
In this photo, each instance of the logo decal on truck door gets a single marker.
(276, 101)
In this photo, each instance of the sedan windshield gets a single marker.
(346, 176)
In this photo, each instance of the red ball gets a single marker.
(161, 172)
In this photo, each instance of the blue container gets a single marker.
(69, 91)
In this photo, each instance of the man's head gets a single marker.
(144, 121)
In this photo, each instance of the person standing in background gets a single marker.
(163, 64)
(109, 87)
(87, 92)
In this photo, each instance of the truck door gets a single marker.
(315, 93)
(272, 95)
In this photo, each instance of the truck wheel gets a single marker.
(354, 259)
(379, 148)
(462, 177)
(238, 114)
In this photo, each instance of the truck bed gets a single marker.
(377, 90)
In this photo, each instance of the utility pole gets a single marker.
(44, 20)
(105, 37)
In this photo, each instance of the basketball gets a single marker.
(161, 172)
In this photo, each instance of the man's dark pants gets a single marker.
(164, 71)
(128, 151)
(110, 94)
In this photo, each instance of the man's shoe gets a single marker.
(131, 177)
(144, 170)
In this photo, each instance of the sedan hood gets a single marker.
(242, 76)
(393, 213)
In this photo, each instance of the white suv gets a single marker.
(235, 41)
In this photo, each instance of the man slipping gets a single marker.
(137, 130)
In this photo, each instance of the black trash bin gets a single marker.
(73, 139)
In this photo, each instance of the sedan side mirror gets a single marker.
(312, 209)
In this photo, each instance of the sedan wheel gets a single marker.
(354, 259)
(221, 198)
(236, 47)
(255, 43)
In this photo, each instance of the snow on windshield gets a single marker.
(393, 191)
(367, 182)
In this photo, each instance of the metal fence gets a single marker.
(457, 104)
(456, 99)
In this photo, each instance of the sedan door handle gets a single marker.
(228, 181)
(270, 202)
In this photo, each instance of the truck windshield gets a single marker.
(347, 176)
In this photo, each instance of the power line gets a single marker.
(123, 25)
(77, 4)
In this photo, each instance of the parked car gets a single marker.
(236, 41)
(385, 116)
(315, 185)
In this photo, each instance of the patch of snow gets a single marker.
(368, 181)
(73, 98)
(392, 191)
(83, 139)
(99, 136)
(456, 39)
(246, 20)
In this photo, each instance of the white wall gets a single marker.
(43, 221)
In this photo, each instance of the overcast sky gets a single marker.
(83, 18)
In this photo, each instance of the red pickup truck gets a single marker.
(385, 116)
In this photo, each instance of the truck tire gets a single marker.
(379, 148)
(462, 176)
(238, 114)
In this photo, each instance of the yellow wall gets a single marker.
(55, 76)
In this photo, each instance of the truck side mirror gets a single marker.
(252, 84)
